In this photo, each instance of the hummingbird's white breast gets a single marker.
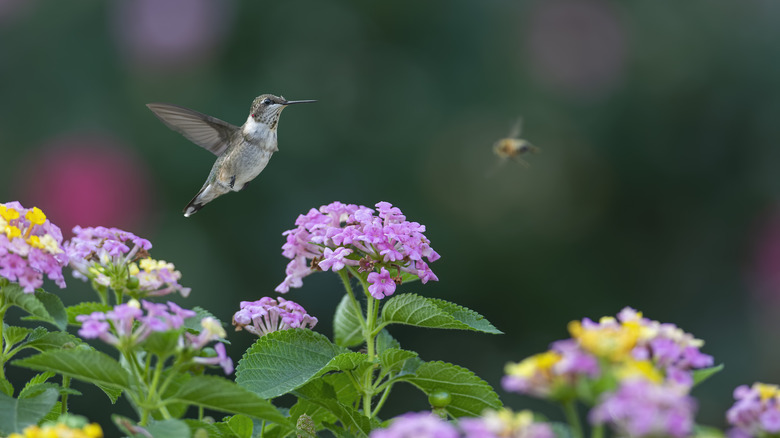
(256, 130)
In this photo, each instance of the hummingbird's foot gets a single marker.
(244, 186)
(232, 182)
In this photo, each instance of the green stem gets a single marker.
(66, 385)
(345, 279)
(570, 410)
(597, 431)
(3, 347)
(381, 401)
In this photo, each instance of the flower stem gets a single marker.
(570, 410)
(66, 385)
(3, 348)
(381, 401)
(345, 279)
(597, 431)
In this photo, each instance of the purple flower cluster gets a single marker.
(268, 315)
(30, 246)
(756, 411)
(628, 342)
(667, 346)
(340, 235)
(417, 425)
(651, 362)
(640, 408)
(505, 423)
(540, 374)
(492, 424)
(108, 257)
(128, 325)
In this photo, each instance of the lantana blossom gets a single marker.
(119, 259)
(491, 424)
(641, 408)
(131, 323)
(268, 315)
(629, 346)
(756, 411)
(381, 242)
(30, 246)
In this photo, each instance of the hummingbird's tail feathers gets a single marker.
(192, 207)
(208, 193)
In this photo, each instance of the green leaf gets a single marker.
(84, 309)
(51, 341)
(13, 335)
(55, 308)
(223, 395)
(407, 277)
(703, 374)
(385, 340)
(30, 391)
(317, 413)
(470, 394)
(240, 426)
(344, 362)
(411, 309)
(16, 414)
(169, 429)
(40, 378)
(282, 361)
(346, 393)
(321, 393)
(15, 295)
(112, 393)
(6, 387)
(163, 344)
(394, 359)
(700, 431)
(53, 414)
(86, 365)
(211, 430)
(347, 331)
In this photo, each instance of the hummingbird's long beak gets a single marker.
(290, 102)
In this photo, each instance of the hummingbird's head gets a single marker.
(266, 108)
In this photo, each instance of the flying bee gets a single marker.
(512, 147)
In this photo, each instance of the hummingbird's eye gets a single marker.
(266, 101)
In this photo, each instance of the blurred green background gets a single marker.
(656, 187)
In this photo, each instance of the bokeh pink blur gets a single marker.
(86, 179)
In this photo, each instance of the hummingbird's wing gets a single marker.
(205, 131)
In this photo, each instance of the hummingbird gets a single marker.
(242, 151)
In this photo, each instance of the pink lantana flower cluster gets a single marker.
(131, 323)
(651, 363)
(379, 242)
(268, 315)
(119, 259)
(30, 246)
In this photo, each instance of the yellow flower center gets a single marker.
(12, 232)
(639, 368)
(538, 363)
(36, 216)
(767, 391)
(8, 213)
(608, 340)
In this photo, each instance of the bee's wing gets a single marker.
(493, 169)
(521, 161)
(205, 131)
(516, 128)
